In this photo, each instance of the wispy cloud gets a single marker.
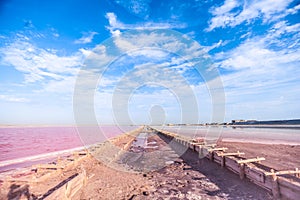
(11, 98)
(115, 25)
(86, 38)
(38, 63)
(233, 13)
(225, 8)
(138, 8)
(216, 45)
(263, 73)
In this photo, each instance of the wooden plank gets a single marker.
(22, 179)
(218, 149)
(48, 166)
(231, 154)
(70, 188)
(58, 194)
(289, 184)
(251, 160)
(207, 145)
(217, 158)
(283, 172)
(197, 143)
(232, 165)
(288, 189)
(288, 193)
(74, 186)
(254, 175)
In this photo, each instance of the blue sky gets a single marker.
(178, 61)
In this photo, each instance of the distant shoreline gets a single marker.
(265, 126)
(241, 126)
(58, 125)
(283, 126)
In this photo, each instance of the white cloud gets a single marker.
(293, 10)
(167, 41)
(115, 26)
(262, 74)
(37, 63)
(86, 38)
(55, 34)
(227, 14)
(226, 7)
(11, 98)
(139, 8)
(282, 27)
(216, 45)
(255, 57)
(267, 52)
(63, 86)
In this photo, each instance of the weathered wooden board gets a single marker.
(48, 166)
(75, 185)
(69, 189)
(217, 149)
(217, 158)
(231, 154)
(288, 189)
(250, 160)
(283, 172)
(232, 165)
(254, 175)
(283, 182)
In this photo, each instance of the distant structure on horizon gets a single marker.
(271, 122)
(244, 122)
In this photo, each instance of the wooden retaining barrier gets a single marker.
(280, 187)
(67, 189)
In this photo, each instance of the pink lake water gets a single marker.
(17, 143)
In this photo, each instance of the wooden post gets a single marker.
(201, 151)
(242, 170)
(222, 161)
(275, 186)
(211, 156)
(297, 173)
(186, 143)
(75, 157)
(59, 160)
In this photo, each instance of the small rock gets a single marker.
(164, 191)
(169, 162)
